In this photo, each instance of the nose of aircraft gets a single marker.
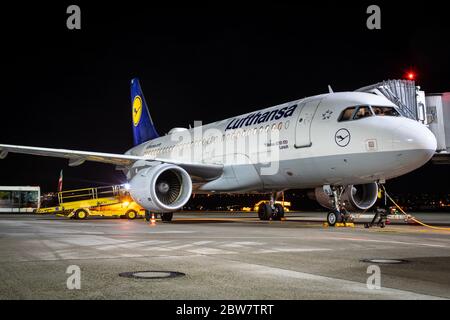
(416, 141)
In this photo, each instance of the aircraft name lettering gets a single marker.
(276, 143)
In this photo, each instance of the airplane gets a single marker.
(340, 146)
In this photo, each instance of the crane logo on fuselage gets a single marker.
(342, 137)
(137, 110)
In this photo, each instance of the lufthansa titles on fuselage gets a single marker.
(258, 117)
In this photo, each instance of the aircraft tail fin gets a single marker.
(143, 127)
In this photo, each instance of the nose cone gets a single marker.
(416, 142)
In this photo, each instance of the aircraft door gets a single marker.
(303, 126)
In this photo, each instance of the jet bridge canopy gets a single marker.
(403, 93)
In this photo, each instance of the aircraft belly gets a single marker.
(235, 178)
(355, 168)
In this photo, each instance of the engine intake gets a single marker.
(355, 197)
(161, 188)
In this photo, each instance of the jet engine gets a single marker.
(355, 197)
(161, 188)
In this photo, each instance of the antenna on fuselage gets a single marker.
(330, 90)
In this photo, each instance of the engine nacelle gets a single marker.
(355, 197)
(161, 188)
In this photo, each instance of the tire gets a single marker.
(131, 214)
(81, 214)
(166, 216)
(265, 212)
(278, 213)
(332, 218)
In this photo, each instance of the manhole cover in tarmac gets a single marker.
(385, 261)
(151, 274)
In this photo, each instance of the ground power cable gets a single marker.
(410, 217)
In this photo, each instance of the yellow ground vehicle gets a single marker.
(101, 201)
(285, 204)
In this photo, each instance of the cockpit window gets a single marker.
(385, 111)
(347, 114)
(362, 112)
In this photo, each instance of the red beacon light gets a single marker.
(411, 76)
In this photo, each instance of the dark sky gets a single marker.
(70, 89)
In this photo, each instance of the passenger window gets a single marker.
(386, 111)
(347, 114)
(362, 112)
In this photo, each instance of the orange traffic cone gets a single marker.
(153, 220)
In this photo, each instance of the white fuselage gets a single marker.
(300, 144)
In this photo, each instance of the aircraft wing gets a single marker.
(75, 157)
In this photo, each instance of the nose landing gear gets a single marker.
(339, 214)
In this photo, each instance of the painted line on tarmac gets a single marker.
(329, 284)
(390, 241)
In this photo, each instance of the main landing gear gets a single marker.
(271, 210)
(165, 216)
(339, 214)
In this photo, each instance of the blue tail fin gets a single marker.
(143, 128)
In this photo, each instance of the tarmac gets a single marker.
(221, 256)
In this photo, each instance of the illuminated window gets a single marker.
(347, 114)
(362, 112)
(385, 111)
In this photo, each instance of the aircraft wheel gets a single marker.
(265, 212)
(81, 214)
(278, 213)
(166, 216)
(131, 214)
(333, 217)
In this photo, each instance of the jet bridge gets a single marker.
(432, 110)
(405, 94)
(438, 120)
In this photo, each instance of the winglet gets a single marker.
(3, 154)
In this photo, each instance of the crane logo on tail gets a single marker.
(137, 110)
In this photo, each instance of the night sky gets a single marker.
(70, 88)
